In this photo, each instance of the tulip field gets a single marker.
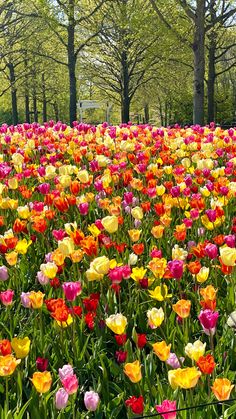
(117, 271)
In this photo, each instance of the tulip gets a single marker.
(42, 381)
(202, 275)
(206, 364)
(5, 347)
(3, 273)
(110, 223)
(6, 297)
(8, 364)
(61, 398)
(155, 317)
(21, 347)
(184, 378)
(91, 400)
(176, 268)
(36, 299)
(173, 360)
(195, 350)
(70, 384)
(228, 256)
(25, 300)
(71, 290)
(222, 388)
(65, 371)
(136, 404)
(162, 350)
(134, 234)
(160, 293)
(208, 320)
(43, 280)
(117, 323)
(100, 265)
(167, 406)
(41, 364)
(133, 371)
(211, 251)
(137, 213)
(182, 308)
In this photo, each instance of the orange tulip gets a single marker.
(182, 308)
(133, 371)
(222, 388)
(8, 364)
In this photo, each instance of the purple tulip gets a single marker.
(3, 273)
(91, 400)
(61, 398)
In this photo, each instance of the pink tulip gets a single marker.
(70, 384)
(211, 251)
(6, 297)
(71, 290)
(176, 268)
(83, 208)
(167, 406)
(208, 320)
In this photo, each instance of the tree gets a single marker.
(71, 21)
(221, 40)
(199, 12)
(125, 56)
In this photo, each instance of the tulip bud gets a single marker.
(91, 400)
(61, 398)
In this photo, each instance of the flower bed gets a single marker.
(117, 270)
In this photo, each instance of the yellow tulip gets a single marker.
(110, 223)
(228, 255)
(49, 269)
(101, 265)
(184, 378)
(36, 299)
(42, 381)
(203, 274)
(117, 323)
(22, 246)
(155, 317)
(138, 273)
(134, 234)
(137, 213)
(21, 347)
(160, 293)
(195, 350)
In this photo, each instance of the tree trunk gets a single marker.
(56, 110)
(27, 108)
(125, 99)
(35, 110)
(146, 113)
(211, 82)
(211, 66)
(44, 98)
(199, 63)
(13, 93)
(27, 100)
(72, 62)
